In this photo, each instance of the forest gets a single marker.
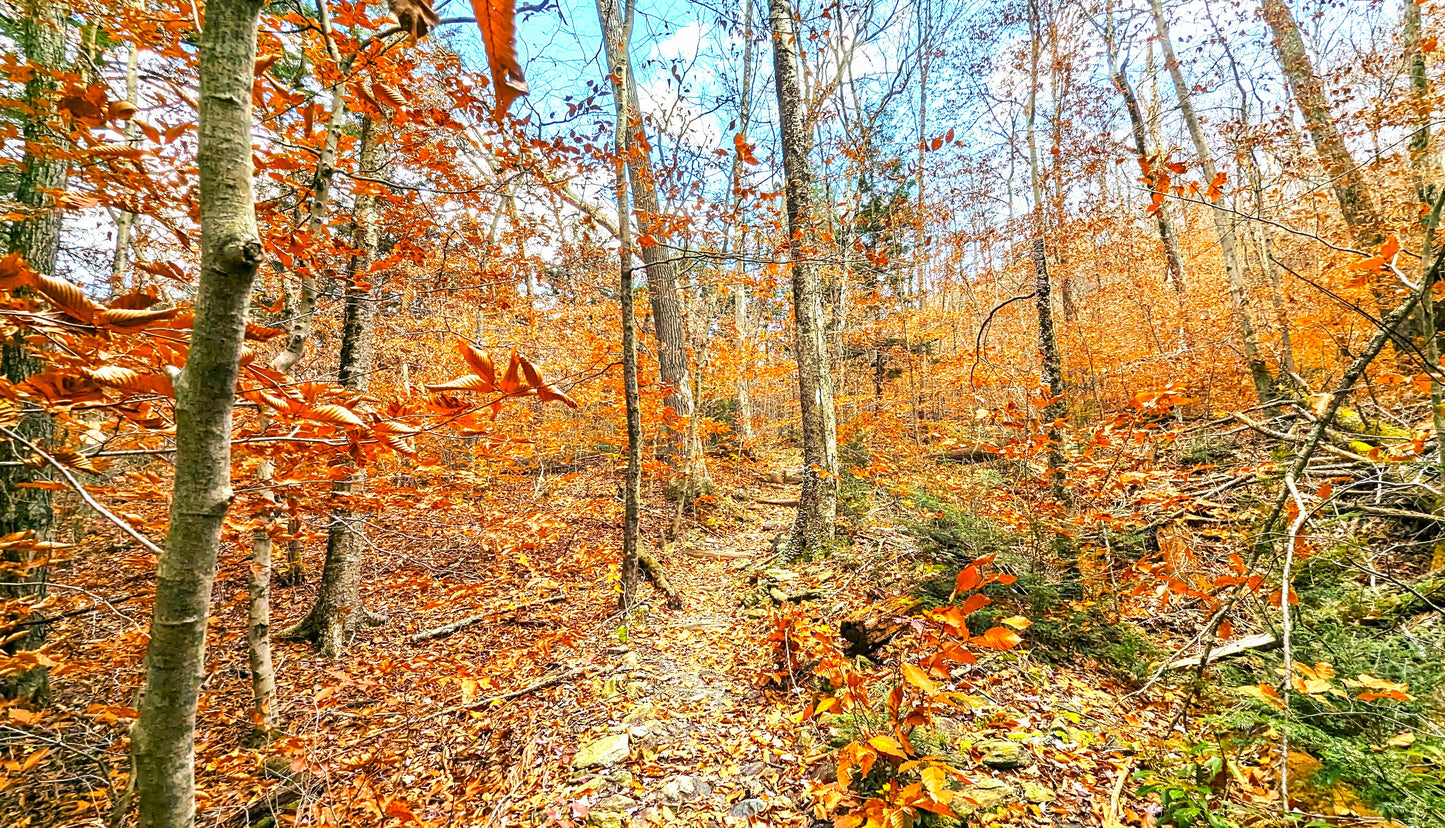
(868, 413)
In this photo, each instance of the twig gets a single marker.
(448, 629)
(1111, 820)
(1284, 589)
(531, 688)
(84, 495)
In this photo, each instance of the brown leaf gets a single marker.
(415, 17)
(498, 21)
(334, 415)
(470, 382)
(125, 319)
(66, 296)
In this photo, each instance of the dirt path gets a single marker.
(679, 731)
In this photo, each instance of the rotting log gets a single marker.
(1233, 648)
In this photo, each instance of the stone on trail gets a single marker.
(982, 796)
(748, 808)
(1002, 754)
(1034, 792)
(684, 788)
(603, 752)
(610, 811)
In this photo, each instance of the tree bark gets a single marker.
(683, 454)
(36, 237)
(818, 501)
(1051, 367)
(1223, 221)
(163, 738)
(616, 25)
(338, 610)
(740, 288)
(1174, 260)
(125, 222)
(1353, 194)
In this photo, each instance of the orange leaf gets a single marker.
(335, 415)
(999, 638)
(497, 20)
(470, 382)
(510, 383)
(887, 745)
(967, 579)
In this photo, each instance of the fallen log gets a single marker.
(652, 570)
(790, 501)
(1233, 648)
(470, 620)
(716, 553)
(967, 455)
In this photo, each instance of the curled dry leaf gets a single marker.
(125, 319)
(261, 333)
(415, 17)
(125, 379)
(389, 96)
(498, 21)
(480, 363)
(67, 297)
(334, 415)
(470, 382)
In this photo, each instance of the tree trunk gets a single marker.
(338, 610)
(163, 738)
(125, 222)
(1175, 261)
(1353, 194)
(36, 237)
(740, 288)
(683, 454)
(617, 36)
(1223, 221)
(818, 500)
(1051, 367)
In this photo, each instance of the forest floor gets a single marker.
(555, 710)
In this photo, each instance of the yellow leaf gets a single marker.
(916, 677)
(887, 745)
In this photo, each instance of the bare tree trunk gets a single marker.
(1351, 191)
(338, 610)
(616, 25)
(1223, 221)
(1051, 367)
(36, 237)
(818, 500)
(299, 315)
(125, 222)
(163, 738)
(740, 288)
(1175, 261)
(684, 454)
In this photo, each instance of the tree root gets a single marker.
(652, 570)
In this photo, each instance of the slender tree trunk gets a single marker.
(1353, 194)
(684, 454)
(125, 222)
(1174, 273)
(258, 609)
(616, 25)
(740, 288)
(36, 238)
(1051, 366)
(163, 738)
(300, 315)
(818, 501)
(338, 610)
(1223, 222)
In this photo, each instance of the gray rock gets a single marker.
(1002, 754)
(748, 808)
(751, 769)
(684, 788)
(610, 811)
(1034, 792)
(604, 752)
(980, 797)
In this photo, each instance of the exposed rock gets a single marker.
(649, 734)
(684, 788)
(1034, 792)
(604, 752)
(982, 796)
(1003, 754)
(748, 808)
(610, 811)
